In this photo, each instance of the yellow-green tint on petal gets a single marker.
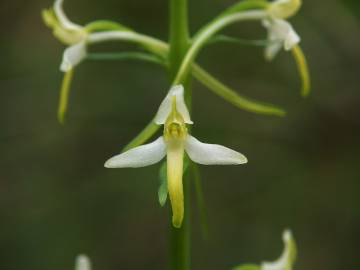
(68, 37)
(175, 128)
(303, 69)
(283, 9)
(64, 95)
(49, 18)
(175, 156)
(292, 250)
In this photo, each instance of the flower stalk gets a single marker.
(210, 30)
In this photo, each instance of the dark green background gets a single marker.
(57, 200)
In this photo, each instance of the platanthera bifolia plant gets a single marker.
(177, 56)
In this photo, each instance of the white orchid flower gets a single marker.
(282, 35)
(280, 32)
(287, 258)
(67, 32)
(77, 37)
(174, 114)
(70, 34)
(82, 262)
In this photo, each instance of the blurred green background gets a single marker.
(57, 200)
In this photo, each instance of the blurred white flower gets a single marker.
(280, 35)
(67, 32)
(82, 262)
(287, 258)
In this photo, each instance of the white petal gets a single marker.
(63, 19)
(272, 50)
(212, 154)
(82, 263)
(166, 106)
(72, 56)
(140, 156)
(291, 39)
(280, 34)
(287, 257)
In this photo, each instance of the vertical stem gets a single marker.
(179, 34)
(179, 42)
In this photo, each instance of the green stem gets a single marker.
(179, 42)
(161, 49)
(179, 34)
(200, 200)
(145, 57)
(233, 97)
(207, 32)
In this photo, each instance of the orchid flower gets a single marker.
(70, 34)
(77, 38)
(67, 32)
(280, 32)
(174, 115)
(282, 35)
(285, 261)
(287, 258)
